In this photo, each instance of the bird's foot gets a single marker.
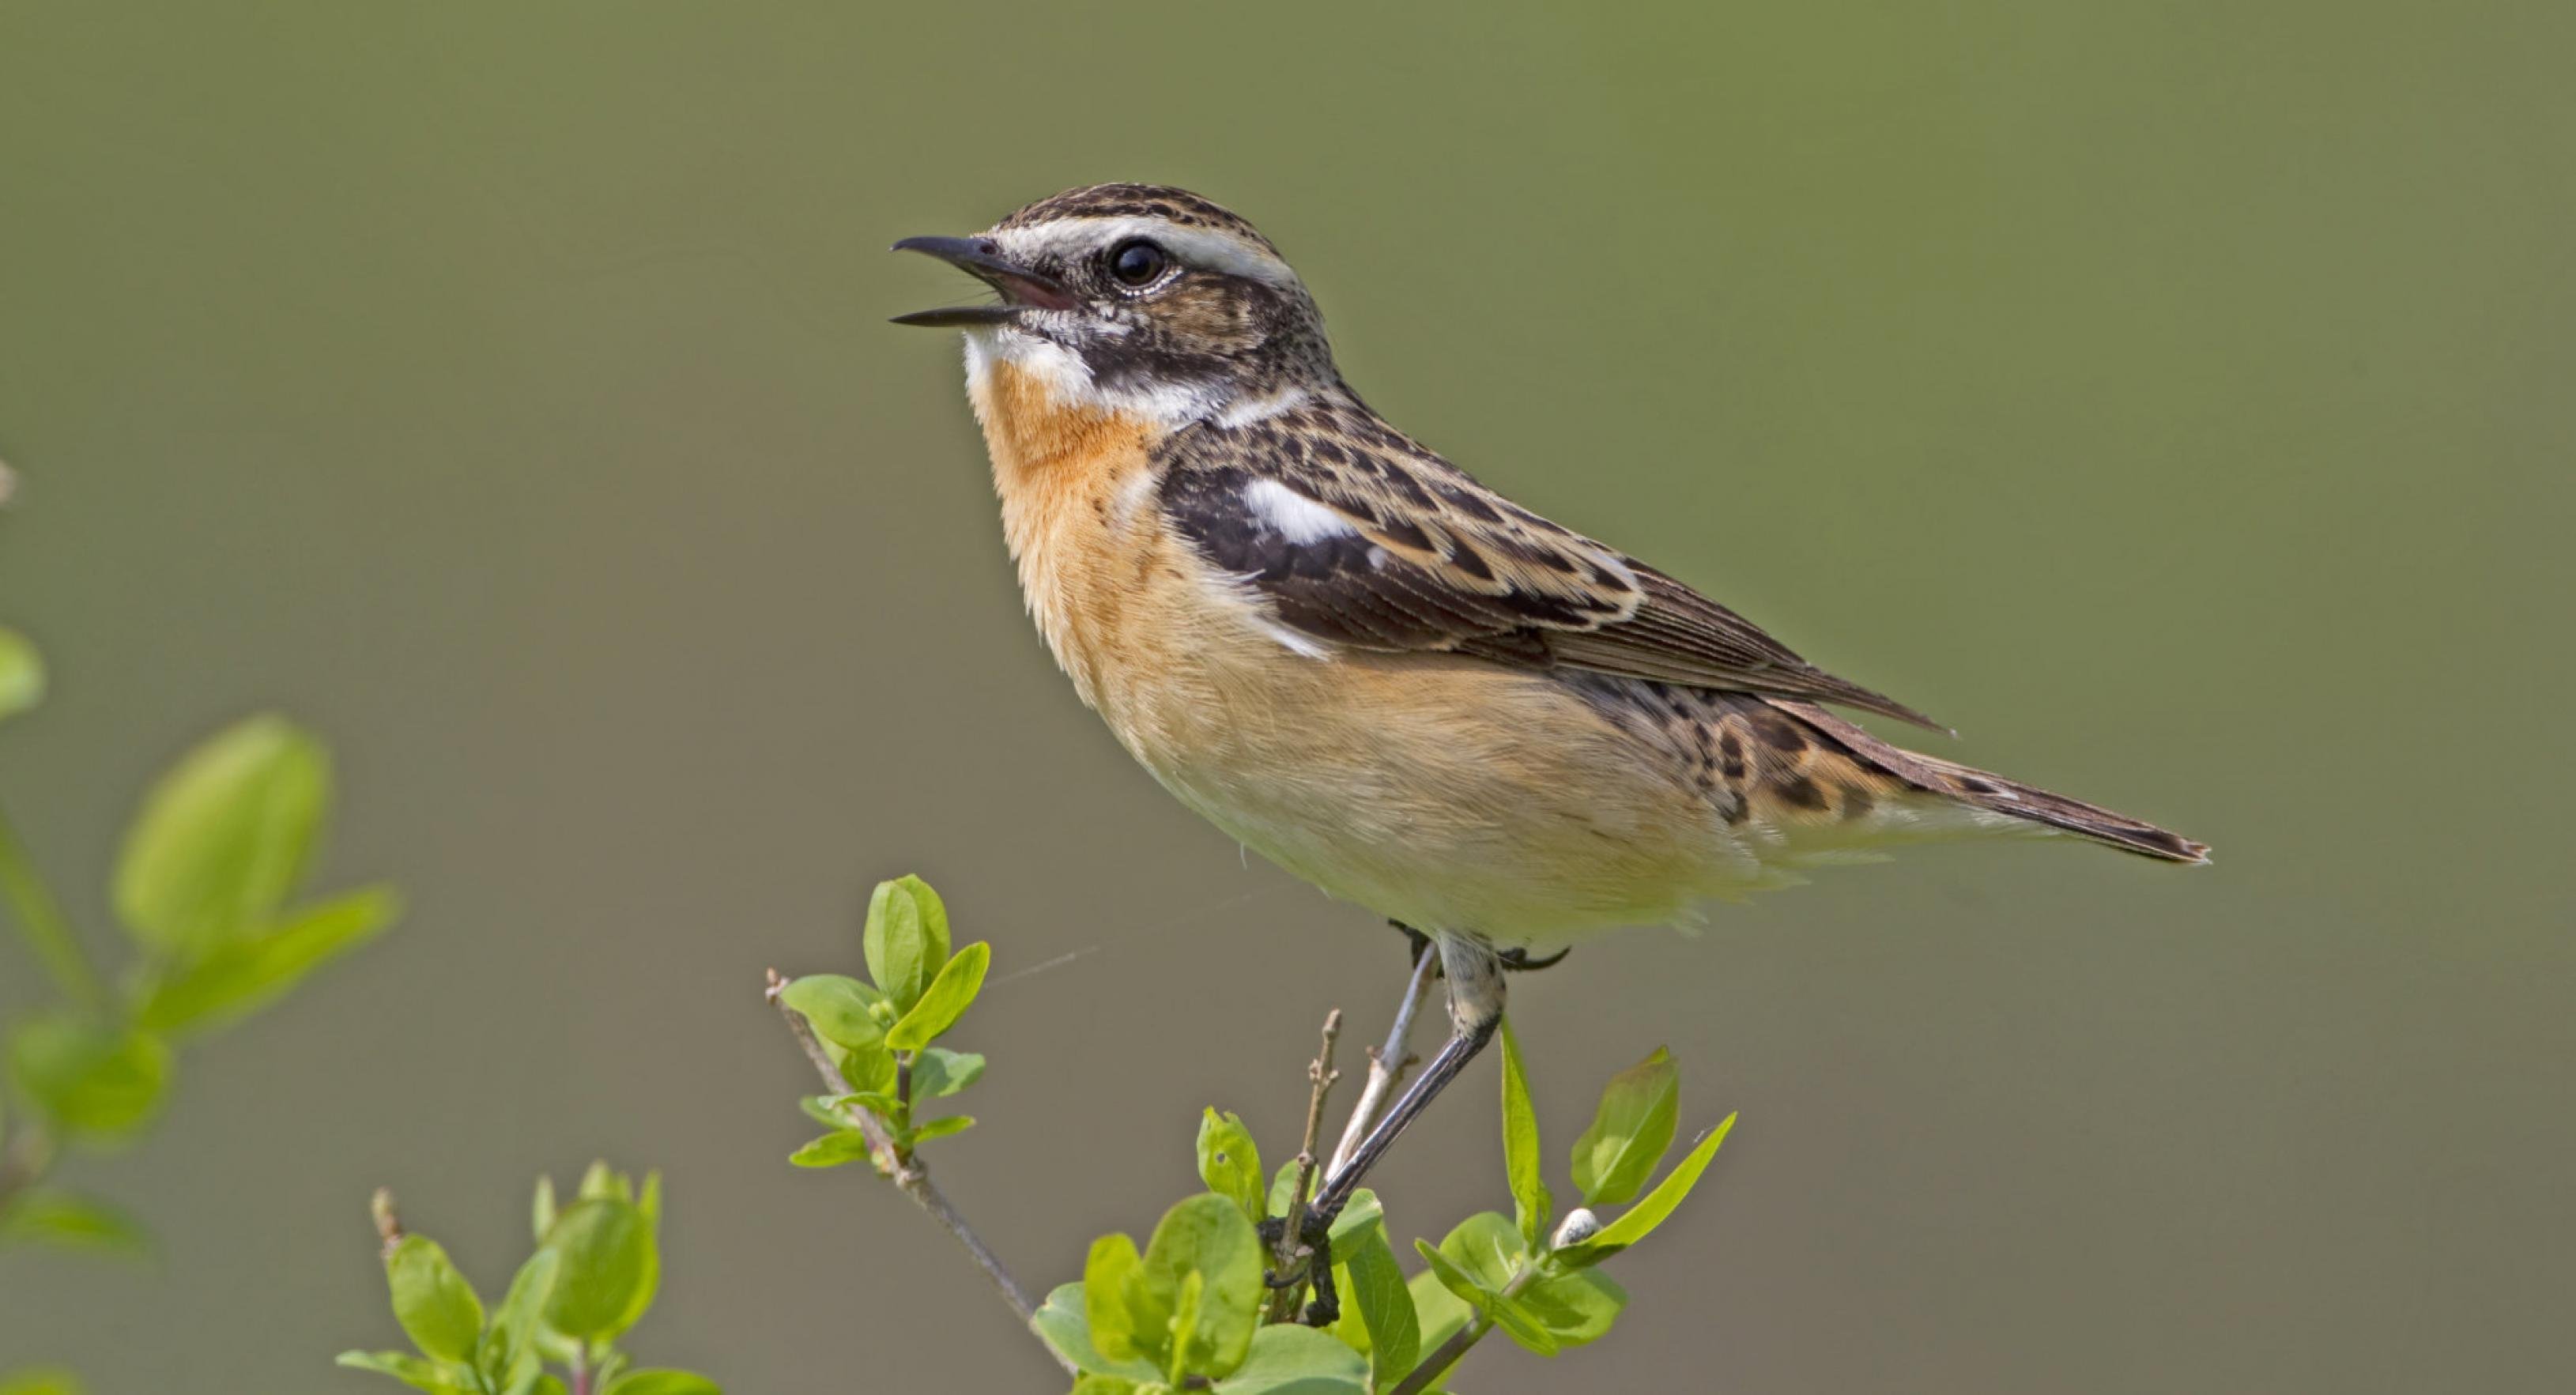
(1315, 1238)
(1516, 961)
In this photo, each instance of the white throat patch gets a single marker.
(1069, 381)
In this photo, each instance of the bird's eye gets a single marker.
(1137, 262)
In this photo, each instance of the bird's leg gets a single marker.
(1475, 975)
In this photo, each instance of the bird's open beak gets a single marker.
(1020, 287)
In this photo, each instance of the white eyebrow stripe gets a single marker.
(1202, 247)
(1299, 519)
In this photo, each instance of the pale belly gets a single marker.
(1448, 794)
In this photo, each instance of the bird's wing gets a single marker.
(1356, 535)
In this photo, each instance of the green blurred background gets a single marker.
(2174, 397)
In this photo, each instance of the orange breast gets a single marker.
(1073, 481)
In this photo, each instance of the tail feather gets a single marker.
(1996, 794)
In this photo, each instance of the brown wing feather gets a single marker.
(1992, 792)
(1433, 560)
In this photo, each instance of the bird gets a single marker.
(1362, 663)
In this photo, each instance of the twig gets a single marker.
(1446, 1355)
(909, 1175)
(1387, 1065)
(1320, 1076)
(389, 1226)
(1441, 1359)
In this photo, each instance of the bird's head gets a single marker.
(1136, 296)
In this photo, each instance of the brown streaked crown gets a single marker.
(1177, 206)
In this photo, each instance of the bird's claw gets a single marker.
(1518, 961)
(1514, 960)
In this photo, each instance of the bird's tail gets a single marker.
(1995, 794)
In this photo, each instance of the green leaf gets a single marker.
(1230, 1163)
(662, 1382)
(1362, 1212)
(1106, 1272)
(22, 673)
(944, 1001)
(1348, 1325)
(606, 1250)
(941, 1128)
(600, 1182)
(881, 1105)
(1571, 1309)
(938, 1072)
(1487, 1247)
(1530, 1201)
(238, 978)
(906, 939)
(1287, 1359)
(870, 1072)
(1283, 1188)
(837, 1007)
(89, 1078)
(648, 1206)
(1376, 1288)
(223, 837)
(1089, 1384)
(1186, 1353)
(1486, 1254)
(434, 1304)
(1440, 1312)
(401, 1365)
(52, 1216)
(506, 1337)
(832, 1149)
(1205, 1235)
(542, 1212)
(1454, 1278)
(1061, 1324)
(1641, 1219)
(1630, 1131)
(842, 1012)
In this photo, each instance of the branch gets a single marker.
(1446, 1355)
(1320, 1076)
(1441, 1359)
(910, 1175)
(1387, 1065)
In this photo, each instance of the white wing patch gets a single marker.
(1297, 518)
(1244, 411)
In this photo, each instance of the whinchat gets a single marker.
(1348, 654)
